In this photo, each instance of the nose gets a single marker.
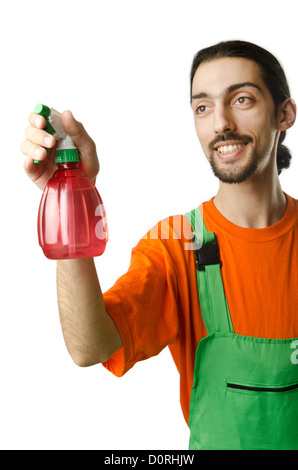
(223, 120)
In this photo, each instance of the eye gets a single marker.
(201, 109)
(243, 100)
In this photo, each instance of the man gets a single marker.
(242, 109)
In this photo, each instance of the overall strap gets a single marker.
(214, 305)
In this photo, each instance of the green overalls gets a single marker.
(245, 389)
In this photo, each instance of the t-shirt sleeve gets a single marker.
(143, 305)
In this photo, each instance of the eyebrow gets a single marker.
(228, 90)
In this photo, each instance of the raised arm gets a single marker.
(89, 332)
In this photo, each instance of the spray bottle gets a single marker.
(71, 218)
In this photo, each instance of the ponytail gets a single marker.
(283, 157)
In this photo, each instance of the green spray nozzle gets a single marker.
(42, 110)
(66, 151)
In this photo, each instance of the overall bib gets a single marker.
(245, 389)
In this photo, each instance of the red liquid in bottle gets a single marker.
(71, 219)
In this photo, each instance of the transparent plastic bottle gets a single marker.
(71, 219)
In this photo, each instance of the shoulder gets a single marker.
(169, 241)
(292, 208)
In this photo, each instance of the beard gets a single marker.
(230, 174)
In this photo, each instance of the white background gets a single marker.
(122, 67)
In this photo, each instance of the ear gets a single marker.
(287, 114)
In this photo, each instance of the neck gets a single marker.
(257, 203)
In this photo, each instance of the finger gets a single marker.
(35, 120)
(34, 151)
(40, 137)
(31, 168)
(78, 133)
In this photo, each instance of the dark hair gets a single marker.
(272, 73)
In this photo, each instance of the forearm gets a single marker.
(89, 332)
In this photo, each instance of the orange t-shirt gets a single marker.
(155, 304)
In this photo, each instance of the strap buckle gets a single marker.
(207, 254)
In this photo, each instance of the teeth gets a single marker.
(230, 148)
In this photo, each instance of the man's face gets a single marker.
(234, 117)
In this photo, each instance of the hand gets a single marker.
(37, 139)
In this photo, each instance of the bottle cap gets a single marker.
(66, 151)
(67, 156)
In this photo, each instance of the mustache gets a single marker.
(231, 136)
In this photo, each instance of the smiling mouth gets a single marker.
(229, 148)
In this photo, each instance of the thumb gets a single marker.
(83, 142)
(78, 134)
